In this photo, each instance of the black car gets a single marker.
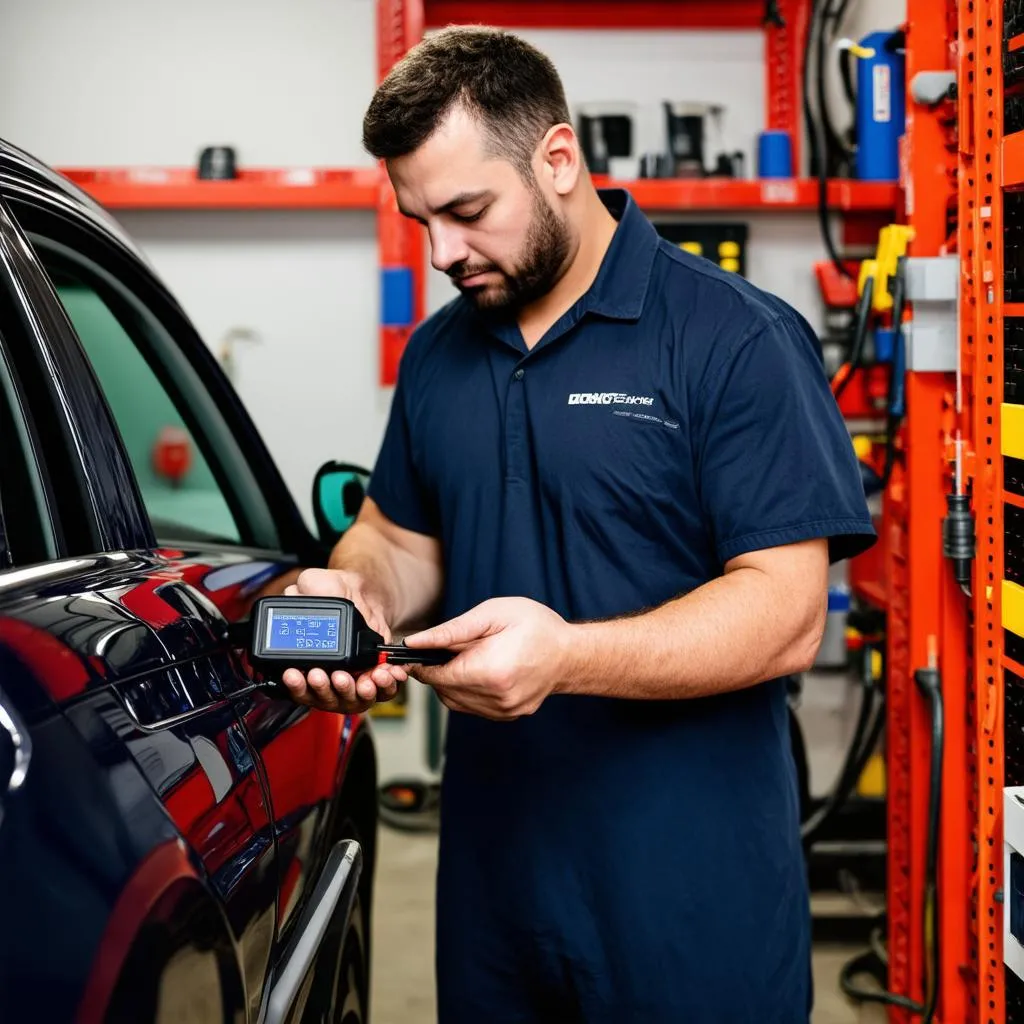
(176, 843)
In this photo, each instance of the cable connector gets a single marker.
(958, 537)
(928, 681)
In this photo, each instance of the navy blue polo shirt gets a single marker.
(674, 418)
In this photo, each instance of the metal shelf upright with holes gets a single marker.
(993, 304)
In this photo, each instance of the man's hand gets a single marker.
(342, 693)
(513, 652)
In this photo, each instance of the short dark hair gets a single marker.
(510, 86)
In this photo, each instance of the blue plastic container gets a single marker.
(881, 110)
(832, 651)
(885, 338)
(774, 155)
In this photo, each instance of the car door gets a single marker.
(86, 624)
(226, 530)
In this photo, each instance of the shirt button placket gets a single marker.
(515, 428)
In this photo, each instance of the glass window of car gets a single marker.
(152, 370)
(181, 494)
(27, 534)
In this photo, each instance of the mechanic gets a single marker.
(616, 474)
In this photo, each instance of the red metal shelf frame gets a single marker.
(758, 194)
(988, 163)
(620, 14)
(1013, 160)
(156, 188)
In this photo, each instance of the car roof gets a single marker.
(26, 173)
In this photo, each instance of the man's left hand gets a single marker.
(513, 652)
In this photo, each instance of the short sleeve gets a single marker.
(776, 464)
(395, 484)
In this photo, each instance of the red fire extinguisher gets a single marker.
(172, 454)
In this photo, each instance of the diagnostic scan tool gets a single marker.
(324, 632)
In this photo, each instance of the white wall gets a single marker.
(119, 82)
(143, 81)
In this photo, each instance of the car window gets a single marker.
(181, 494)
(27, 533)
(199, 469)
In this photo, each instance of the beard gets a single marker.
(539, 266)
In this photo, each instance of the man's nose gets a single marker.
(447, 247)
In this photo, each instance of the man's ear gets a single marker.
(561, 161)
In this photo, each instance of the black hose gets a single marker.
(809, 125)
(816, 128)
(896, 369)
(867, 963)
(846, 76)
(860, 334)
(929, 683)
(928, 680)
(840, 13)
(811, 829)
(845, 60)
(866, 733)
(834, 145)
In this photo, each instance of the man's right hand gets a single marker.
(341, 692)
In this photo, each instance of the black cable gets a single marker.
(845, 60)
(865, 963)
(860, 334)
(840, 13)
(809, 127)
(846, 76)
(836, 150)
(866, 734)
(894, 418)
(816, 128)
(929, 682)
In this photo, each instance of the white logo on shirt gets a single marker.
(608, 398)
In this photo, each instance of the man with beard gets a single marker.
(616, 475)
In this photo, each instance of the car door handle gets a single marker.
(16, 738)
(333, 897)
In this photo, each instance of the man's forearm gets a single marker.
(733, 632)
(403, 585)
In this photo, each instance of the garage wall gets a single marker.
(117, 82)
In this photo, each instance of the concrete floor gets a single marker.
(403, 979)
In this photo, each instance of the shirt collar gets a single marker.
(620, 288)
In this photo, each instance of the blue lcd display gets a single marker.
(303, 631)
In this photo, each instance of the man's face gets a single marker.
(491, 232)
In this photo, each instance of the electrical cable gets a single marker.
(864, 963)
(816, 128)
(846, 76)
(823, 211)
(866, 734)
(930, 684)
(845, 61)
(858, 755)
(869, 962)
(860, 334)
(894, 397)
(836, 151)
